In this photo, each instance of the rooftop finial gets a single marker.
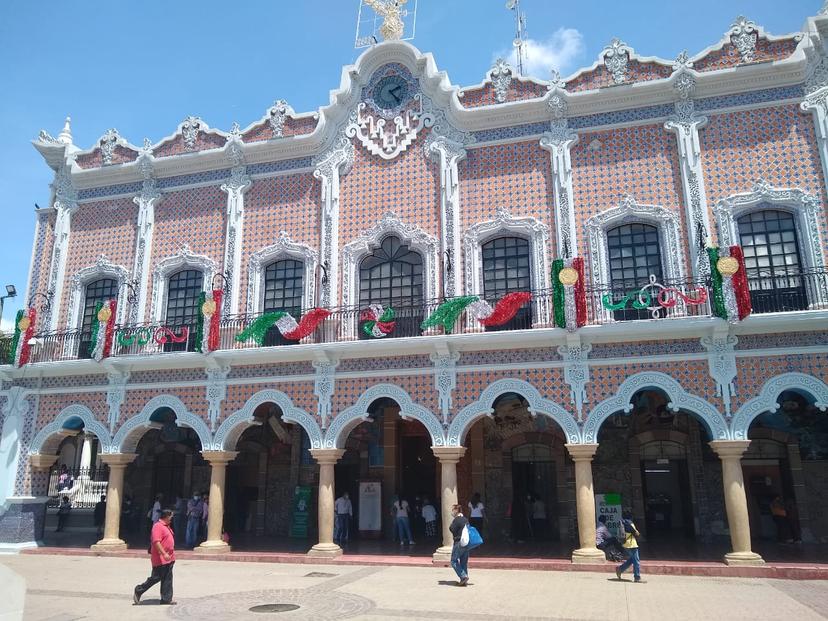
(65, 136)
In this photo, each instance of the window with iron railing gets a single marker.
(101, 290)
(392, 275)
(283, 291)
(773, 262)
(183, 290)
(634, 252)
(506, 269)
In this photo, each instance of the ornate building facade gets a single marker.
(612, 283)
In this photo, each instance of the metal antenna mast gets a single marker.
(520, 33)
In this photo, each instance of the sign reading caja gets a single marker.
(610, 505)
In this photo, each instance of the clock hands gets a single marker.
(395, 93)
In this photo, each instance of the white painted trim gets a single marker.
(284, 248)
(165, 268)
(127, 437)
(47, 439)
(102, 268)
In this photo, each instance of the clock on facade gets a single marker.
(391, 92)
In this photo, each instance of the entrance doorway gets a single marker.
(533, 493)
(666, 485)
(767, 476)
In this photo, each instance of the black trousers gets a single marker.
(162, 574)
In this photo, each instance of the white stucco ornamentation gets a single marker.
(108, 142)
(500, 75)
(235, 187)
(115, 395)
(506, 224)
(127, 437)
(284, 248)
(147, 200)
(189, 131)
(102, 268)
(721, 362)
(616, 58)
(576, 373)
(276, 117)
(47, 440)
(373, 132)
(445, 380)
(324, 385)
(65, 204)
(167, 267)
(743, 35)
(216, 392)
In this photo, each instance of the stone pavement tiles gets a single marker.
(66, 588)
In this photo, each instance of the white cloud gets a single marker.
(560, 51)
(7, 326)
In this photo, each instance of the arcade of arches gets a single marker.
(659, 462)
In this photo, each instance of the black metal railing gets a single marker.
(621, 301)
(83, 486)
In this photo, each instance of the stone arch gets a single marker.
(766, 401)
(680, 399)
(233, 426)
(348, 419)
(48, 439)
(127, 437)
(537, 405)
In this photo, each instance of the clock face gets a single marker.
(391, 92)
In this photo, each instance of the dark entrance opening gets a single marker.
(534, 502)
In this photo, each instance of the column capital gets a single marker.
(729, 449)
(42, 462)
(118, 459)
(219, 457)
(581, 452)
(448, 454)
(327, 456)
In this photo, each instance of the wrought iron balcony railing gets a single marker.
(621, 301)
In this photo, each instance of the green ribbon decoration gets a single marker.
(447, 313)
(641, 299)
(202, 297)
(258, 329)
(95, 327)
(141, 335)
(719, 309)
(17, 336)
(558, 294)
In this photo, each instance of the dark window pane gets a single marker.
(284, 287)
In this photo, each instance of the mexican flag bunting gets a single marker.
(24, 327)
(504, 311)
(286, 324)
(731, 295)
(209, 317)
(103, 329)
(568, 295)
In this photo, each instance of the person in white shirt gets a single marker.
(344, 512)
(430, 517)
(400, 512)
(477, 512)
(155, 512)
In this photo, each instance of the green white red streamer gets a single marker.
(209, 321)
(285, 323)
(379, 321)
(24, 327)
(447, 313)
(568, 294)
(731, 294)
(103, 329)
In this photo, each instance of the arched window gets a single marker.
(101, 290)
(772, 260)
(283, 291)
(393, 276)
(634, 252)
(506, 262)
(183, 290)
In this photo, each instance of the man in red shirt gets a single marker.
(162, 546)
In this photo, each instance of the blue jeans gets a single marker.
(193, 524)
(404, 528)
(460, 560)
(632, 559)
(341, 528)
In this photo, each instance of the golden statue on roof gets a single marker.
(392, 13)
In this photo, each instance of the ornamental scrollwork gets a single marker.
(108, 142)
(189, 131)
(501, 76)
(743, 35)
(276, 117)
(616, 59)
(166, 267)
(284, 247)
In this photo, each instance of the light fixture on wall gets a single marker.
(11, 291)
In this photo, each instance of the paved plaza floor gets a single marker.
(64, 588)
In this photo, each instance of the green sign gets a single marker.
(301, 504)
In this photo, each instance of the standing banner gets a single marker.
(370, 508)
(301, 505)
(610, 505)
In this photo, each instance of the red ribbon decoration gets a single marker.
(307, 324)
(110, 328)
(215, 321)
(668, 302)
(163, 335)
(579, 293)
(740, 284)
(25, 348)
(506, 308)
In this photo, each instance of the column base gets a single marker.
(213, 547)
(325, 550)
(109, 545)
(743, 559)
(588, 555)
(442, 555)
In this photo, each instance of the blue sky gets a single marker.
(143, 66)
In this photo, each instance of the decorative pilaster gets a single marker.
(445, 380)
(14, 411)
(115, 395)
(238, 183)
(328, 168)
(559, 141)
(216, 392)
(576, 373)
(721, 363)
(65, 204)
(448, 154)
(323, 388)
(582, 455)
(816, 102)
(146, 201)
(685, 124)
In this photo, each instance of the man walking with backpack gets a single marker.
(630, 546)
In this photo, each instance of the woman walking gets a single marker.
(459, 553)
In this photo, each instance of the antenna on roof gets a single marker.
(520, 33)
(385, 20)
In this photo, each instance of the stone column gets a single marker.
(582, 455)
(112, 541)
(327, 459)
(730, 452)
(448, 456)
(215, 509)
